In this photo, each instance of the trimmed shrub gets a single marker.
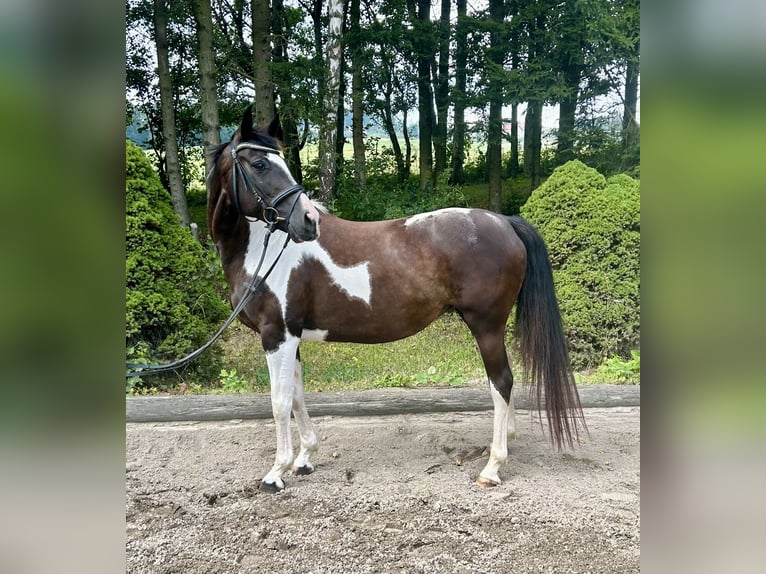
(592, 228)
(171, 306)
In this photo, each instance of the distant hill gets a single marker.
(132, 133)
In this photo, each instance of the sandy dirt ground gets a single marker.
(391, 494)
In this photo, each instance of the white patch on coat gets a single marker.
(314, 335)
(431, 215)
(453, 223)
(498, 219)
(354, 281)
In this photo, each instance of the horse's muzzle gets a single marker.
(305, 228)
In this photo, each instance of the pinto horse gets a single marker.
(376, 282)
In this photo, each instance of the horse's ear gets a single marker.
(246, 128)
(275, 128)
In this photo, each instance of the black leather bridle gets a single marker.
(268, 204)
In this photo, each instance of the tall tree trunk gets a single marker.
(495, 93)
(459, 95)
(407, 146)
(357, 98)
(514, 9)
(420, 13)
(211, 136)
(340, 116)
(279, 55)
(388, 125)
(172, 160)
(264, 85)
(571, 63)
(441, 91)
(386, 113)
(533, 129)
(293, 147)
(495, 154)
(514, 167)
(567, 109)
(630, 130)
(316, 18)
(328, 130)
(565, 150)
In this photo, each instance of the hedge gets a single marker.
(171, 306)
(592, 227)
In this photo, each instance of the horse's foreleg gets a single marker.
(282, 364)
(309, 443)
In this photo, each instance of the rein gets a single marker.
(255, 283)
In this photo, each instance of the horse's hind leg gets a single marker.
(309, 443)
(492, 348)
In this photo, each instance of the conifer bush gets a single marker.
(171, 306)
(592, 228)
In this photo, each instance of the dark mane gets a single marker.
(259, 138)
(216, 153)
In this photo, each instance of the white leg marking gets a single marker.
(309, 442)
(511, 419)
(282, 374)
(498, 453)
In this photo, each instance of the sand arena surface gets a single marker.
(390, 494)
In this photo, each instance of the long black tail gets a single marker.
(543, 347)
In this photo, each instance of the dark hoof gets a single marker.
(486, 482)
(270, 487)
(302, 470)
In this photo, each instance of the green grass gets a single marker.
(443, 354)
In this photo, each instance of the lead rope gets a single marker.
(251, 287)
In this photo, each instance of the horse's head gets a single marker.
(260, 184)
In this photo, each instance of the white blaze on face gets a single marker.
(278, 162)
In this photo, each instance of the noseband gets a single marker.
(269, 204)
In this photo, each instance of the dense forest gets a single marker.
(437, 78)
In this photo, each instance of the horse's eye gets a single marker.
(260, 165)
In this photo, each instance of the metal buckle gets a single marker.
(271, 215)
